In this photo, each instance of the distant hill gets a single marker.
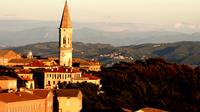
(180, 52)
(117, 34)
(88, 35)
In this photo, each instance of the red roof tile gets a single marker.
(91, 77)
(67, 92)
(23, 71)
(41, 92)
(37, 63)
(148, 109)
(63, 70)
(66, 21)
(17, 97)
(6, 78)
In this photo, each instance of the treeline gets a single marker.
(153, 83)
(150, 83)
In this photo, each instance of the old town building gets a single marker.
(65, 39)
(70, 100)
(27, 101)
(8, 83)
(7, 55)
(27, 77)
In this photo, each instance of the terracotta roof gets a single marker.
(6, 78)
(66, 21)
(67, 92)
(23, 71)
(4, 53)
(63, 70)
(41, 92)
(27, 79)
(85, 62)
(148, 109)
(21, 61)
(17, 97)
(90, 77)
(37, 63)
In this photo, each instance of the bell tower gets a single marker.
(65, 39)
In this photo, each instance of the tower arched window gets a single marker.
(68, 40)
(64, 40)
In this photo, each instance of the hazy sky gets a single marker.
(135, 11)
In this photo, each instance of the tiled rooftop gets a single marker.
(37, 63)
(6, 78)
(23, 71)
(90, 77)
(67, 92)
(63, 70)
(17, 97)
(21, 60)
(41, 92)
(148, 109)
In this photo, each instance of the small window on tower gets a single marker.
(68, 40)
(64, 40)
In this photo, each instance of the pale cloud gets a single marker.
(192, 26)
(178, 25)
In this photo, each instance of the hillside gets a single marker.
(181, 52)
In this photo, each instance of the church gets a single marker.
(65, 72)
(64, 69)
(65, 39)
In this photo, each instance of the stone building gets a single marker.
(65, 39)
(27, 76)
(58, 75)
(7, 55)
(70, 100)
(87, 65)
(7, 83)
(21, 102)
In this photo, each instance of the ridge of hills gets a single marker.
(29, 32)
(185, 52)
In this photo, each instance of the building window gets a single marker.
(64, 40)
(49, 82)
(54, 82)
(59, 76)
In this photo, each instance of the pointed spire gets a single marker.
(66, 21)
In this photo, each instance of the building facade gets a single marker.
(58, 75)
(7, 55)
(87, 65)
(21, 102)
(65, 39)
(27, 76)
(70, 100)
(54, 76)
(8, 83)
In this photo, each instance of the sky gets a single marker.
(159, 12)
